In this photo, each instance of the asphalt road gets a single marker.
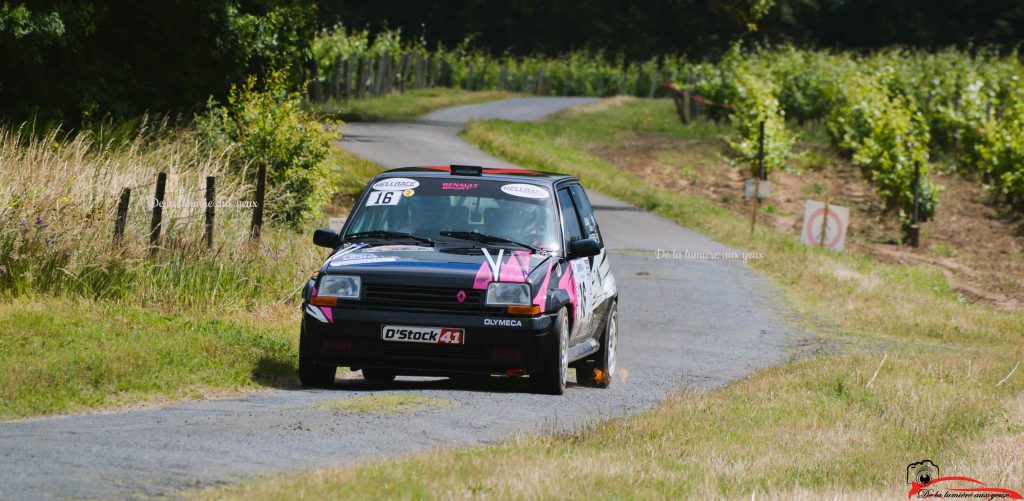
(684, 323)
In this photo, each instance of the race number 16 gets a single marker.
(384, 198)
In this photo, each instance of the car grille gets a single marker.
(415, 297)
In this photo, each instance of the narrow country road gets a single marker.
(684, 323)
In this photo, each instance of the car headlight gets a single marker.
(505, 294)
(342, 286)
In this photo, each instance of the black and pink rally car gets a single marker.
(459, 270)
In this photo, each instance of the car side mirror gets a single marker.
(325, 238)
(584, 247)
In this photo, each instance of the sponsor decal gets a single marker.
(496, 269)
(403, 248)
(396, 184)
(409, 193)
(525, 190)
(383, 198)
(456, 186)
(503, 322)
(925, 482)
(428, 335)
(316, 313)
(353, 259)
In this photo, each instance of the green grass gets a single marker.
(396, 403)
(408, 106)
(812, 429)
(62, 355)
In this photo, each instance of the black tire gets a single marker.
(550, 379)
(378, 375)
(605, 358)
(312, 374)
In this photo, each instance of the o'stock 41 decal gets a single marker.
(525, 190)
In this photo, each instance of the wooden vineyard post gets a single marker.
(758, 178)
(824, 222)
(915, 227)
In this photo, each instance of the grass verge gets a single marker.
(64, 355)
(407, 106)
(833, 425)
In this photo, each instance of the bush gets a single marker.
(757, 103)
(267, 125)
(886, 136)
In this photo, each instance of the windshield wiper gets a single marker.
(389, 235)
(485, 238)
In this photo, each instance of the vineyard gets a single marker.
(890, 112)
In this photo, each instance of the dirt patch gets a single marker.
(601, 105)
(978, 245)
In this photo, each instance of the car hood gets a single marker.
(441, 266)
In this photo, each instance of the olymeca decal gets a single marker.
(924, 480)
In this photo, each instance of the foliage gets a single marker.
(268, 126)
(74, 61)
(887, 137)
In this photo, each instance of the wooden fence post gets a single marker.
(379, 79)
(336, 78)
(122, 215)
(158, 212)
(348, 81)
(361, 78)
(257, 211)
(403, 72)
(210, 210)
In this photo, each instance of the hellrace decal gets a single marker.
(525, 190)
(396, 184)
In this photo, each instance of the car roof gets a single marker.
(491, 173)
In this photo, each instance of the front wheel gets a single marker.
(312, 374)
(550, 379)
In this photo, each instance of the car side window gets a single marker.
(571, 229)
(590, 227)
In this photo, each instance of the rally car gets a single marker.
(462, 270)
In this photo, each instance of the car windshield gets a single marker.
(442, 209)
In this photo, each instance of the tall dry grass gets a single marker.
(58, 198)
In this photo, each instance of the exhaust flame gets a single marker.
(600, 376)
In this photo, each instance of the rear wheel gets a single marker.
(378, 375)
(551, 377)
(311, 373)
(600, 372)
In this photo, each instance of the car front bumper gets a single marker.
(352, 337)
